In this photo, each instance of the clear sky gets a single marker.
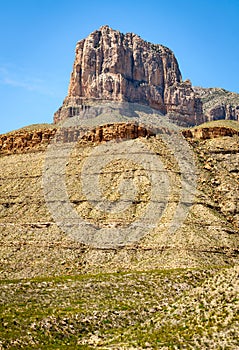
(38, 39)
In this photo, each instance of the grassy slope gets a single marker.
(166, 309)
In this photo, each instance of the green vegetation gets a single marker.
(166, 309)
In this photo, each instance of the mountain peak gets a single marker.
(110, 65)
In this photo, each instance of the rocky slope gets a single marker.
(32, 244)
(166, 291)
(217, 149)
(113, 66)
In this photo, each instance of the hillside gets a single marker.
(32, 244)
(166, 291)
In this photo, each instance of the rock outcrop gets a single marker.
(35, 140)
(206, 133)
(23, 141)
(119, 67)
(218, 103)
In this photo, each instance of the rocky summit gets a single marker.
(110, 65)
(119, 67)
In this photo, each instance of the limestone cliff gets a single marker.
(218, 103)
(113, 66)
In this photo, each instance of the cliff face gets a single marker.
(23, 141)
(113, 66)
(36, 140)
(218, 103)
(206, 133)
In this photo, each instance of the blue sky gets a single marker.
(38, 39)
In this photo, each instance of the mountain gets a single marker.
(119, 229)
(120, 67)
(113, 66)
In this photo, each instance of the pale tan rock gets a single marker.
(32, 244)
(204, 133)
(23, 141)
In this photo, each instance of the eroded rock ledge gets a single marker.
(35, 140)
(24, 141)
(209, 132)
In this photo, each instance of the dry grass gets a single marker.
(220, 123)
